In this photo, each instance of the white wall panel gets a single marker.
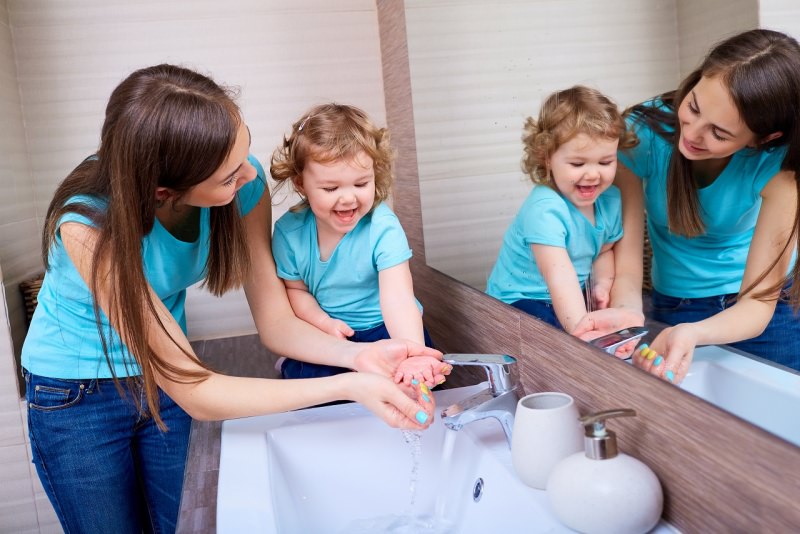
(284, 57)
(781, 15)
(478, 69)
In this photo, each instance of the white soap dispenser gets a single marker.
(602, 490)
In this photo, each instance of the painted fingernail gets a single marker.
(423, 388)
(421, 417)
(652, 354)
(414, 381)
(441, 381)
(426, 398)
(658, 361)
(642, 347)
(670, 376)
(447, 369)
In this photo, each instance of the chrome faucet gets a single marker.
(499, 400)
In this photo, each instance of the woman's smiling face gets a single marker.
(710, 125)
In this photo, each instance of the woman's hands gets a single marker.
(426, 369)
(407, 406)
(670, 354)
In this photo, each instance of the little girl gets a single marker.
(565, 231)
(341, 251)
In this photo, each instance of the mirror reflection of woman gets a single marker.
(721, 204)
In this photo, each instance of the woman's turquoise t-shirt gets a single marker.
(547, 218)
(63, 341)
(713, 263)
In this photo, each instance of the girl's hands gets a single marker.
(337, 328)
(601, 293)
(431, 371)
(601, 322)
(670, 354)
(409, 407)
(383, 357)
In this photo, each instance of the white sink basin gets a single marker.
(339, 469)
(761, 393)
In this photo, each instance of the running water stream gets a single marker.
(409, 522)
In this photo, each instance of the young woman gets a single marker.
(172, 197)
(716, 172)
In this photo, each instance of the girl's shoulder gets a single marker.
(293, 220)
(544, 195)
(382, 216)
(611, 194)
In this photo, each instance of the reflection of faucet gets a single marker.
(499, 400)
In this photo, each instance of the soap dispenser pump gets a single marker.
(604, 490)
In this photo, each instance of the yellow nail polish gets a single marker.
(652, 354)
(424, 388)
(441, 381)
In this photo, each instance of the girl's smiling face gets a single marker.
(584, 167)
(339, 193)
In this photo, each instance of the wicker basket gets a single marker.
(647, 262)
(30, 292)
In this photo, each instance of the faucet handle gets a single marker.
(498, 369)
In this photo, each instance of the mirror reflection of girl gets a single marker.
(721, 203)
(172, 197)
(341, 251)
(567, 227)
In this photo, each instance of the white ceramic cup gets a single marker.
(546, 430)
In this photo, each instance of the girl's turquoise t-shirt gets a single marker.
(713, 263)
(547, 218)
(346, 284)
(63, 341)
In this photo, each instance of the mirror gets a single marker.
(478, 70)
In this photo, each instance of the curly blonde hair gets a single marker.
(565, 114)
(330, 132)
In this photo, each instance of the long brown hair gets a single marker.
(563, 115)
(761, 69)
(165, 126)
(329, 132)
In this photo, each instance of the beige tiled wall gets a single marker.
(701, 24)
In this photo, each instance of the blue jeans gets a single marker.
(540, 309)
(780, 342)
(297, 369)
(104, 467)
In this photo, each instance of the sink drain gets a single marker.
(477, 490)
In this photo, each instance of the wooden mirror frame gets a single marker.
(719, 473)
